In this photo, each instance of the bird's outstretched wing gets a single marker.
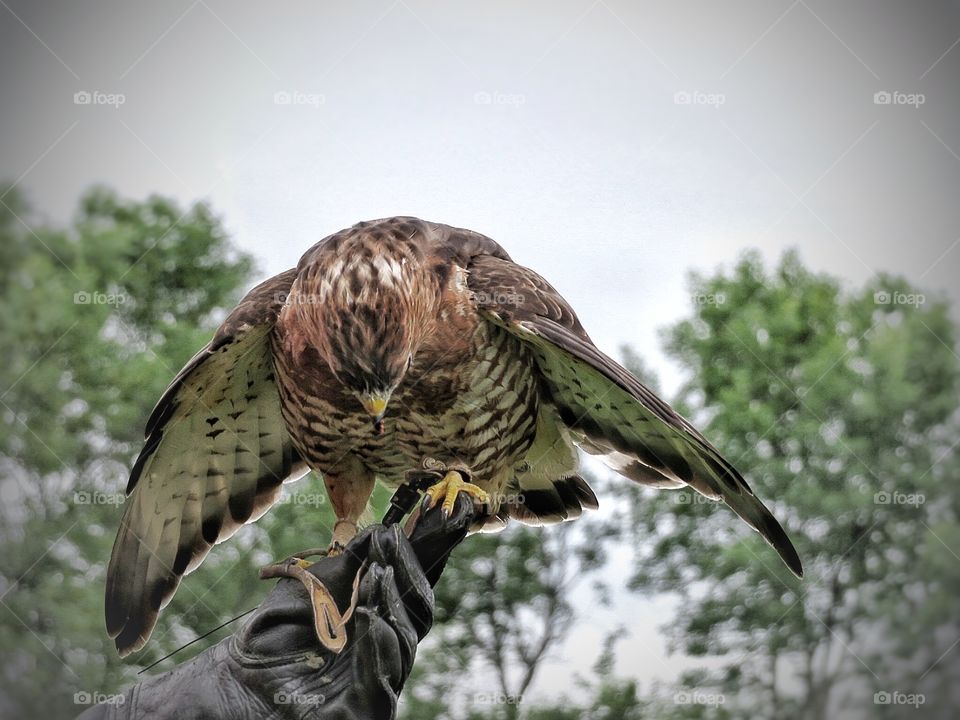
(216, 454)
(607, 410)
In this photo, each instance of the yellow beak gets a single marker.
(375, 405)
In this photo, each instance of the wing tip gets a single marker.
(584, 493)
(773, 532)
(132, 638)
(749, 508)
(131, 618)
(791, 557)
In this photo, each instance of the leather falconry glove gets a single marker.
(282, 662)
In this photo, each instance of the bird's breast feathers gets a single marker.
(468, 396)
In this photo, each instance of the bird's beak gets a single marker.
(376, 405)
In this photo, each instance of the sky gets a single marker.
(612, 146)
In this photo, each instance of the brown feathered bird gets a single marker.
(392, 341)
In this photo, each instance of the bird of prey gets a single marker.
(392, 341)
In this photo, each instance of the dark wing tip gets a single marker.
(133, 637)
(774, 534)
(131, 619)
(584, 493)
(791, 558)
(133, 598)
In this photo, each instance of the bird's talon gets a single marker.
(449, 488)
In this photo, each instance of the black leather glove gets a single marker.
(276, 667)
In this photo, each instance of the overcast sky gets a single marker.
(612, 146)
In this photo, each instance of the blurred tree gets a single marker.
(503, 604)
(100, 316)
(841, 410)
(97, 320)
(501, 623)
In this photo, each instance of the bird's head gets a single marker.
(371, 358)
(368, 316)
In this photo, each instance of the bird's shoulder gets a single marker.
(422, 241)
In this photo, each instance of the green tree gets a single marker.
(100, 316)
(97, 319)
(503, 604)
(840, 408)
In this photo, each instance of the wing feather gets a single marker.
(607, 410)
(216, 453)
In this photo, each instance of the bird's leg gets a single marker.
(343, 532)
(349, 492)
(456, 480)
(349, 489)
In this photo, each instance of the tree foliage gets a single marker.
(840, 408)
(839, 405)
(97, 319)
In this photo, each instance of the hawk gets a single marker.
(392, 341)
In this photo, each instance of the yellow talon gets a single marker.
(449, 488)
